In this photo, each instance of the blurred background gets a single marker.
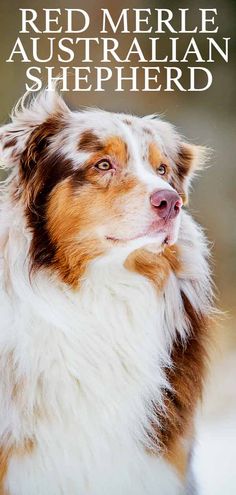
(206, 118)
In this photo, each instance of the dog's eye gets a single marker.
(104, 165)
(161, 170)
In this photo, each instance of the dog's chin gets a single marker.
(153, 240)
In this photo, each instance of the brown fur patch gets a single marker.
(154, 155)
(10, 143)
(186, 378)
(66, 218)
(40, 171)
(155, 267)
(178, 457)
(186, 157)
(117, 148)
(89, 142)
(157, 158)
(42, 249)
(5, 455)
(114, 146)
(4, 460)
(184, 166)
(37, 145)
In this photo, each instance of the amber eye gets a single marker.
(162, 169)
(104, 165)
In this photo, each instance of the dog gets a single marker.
(105, 303)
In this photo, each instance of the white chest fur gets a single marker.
(88, 365)
(91, 365)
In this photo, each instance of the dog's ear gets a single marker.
(190, 158)
(28, 119)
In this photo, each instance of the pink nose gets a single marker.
(166, 203)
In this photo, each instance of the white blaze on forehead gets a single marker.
(138, 150)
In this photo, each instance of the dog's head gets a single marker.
(93, 181)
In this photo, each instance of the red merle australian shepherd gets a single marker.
(105, 303)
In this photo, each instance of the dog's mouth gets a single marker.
(165, 234)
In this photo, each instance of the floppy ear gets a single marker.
(190, 158)
(26, 118)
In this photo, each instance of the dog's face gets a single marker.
(95, 181)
